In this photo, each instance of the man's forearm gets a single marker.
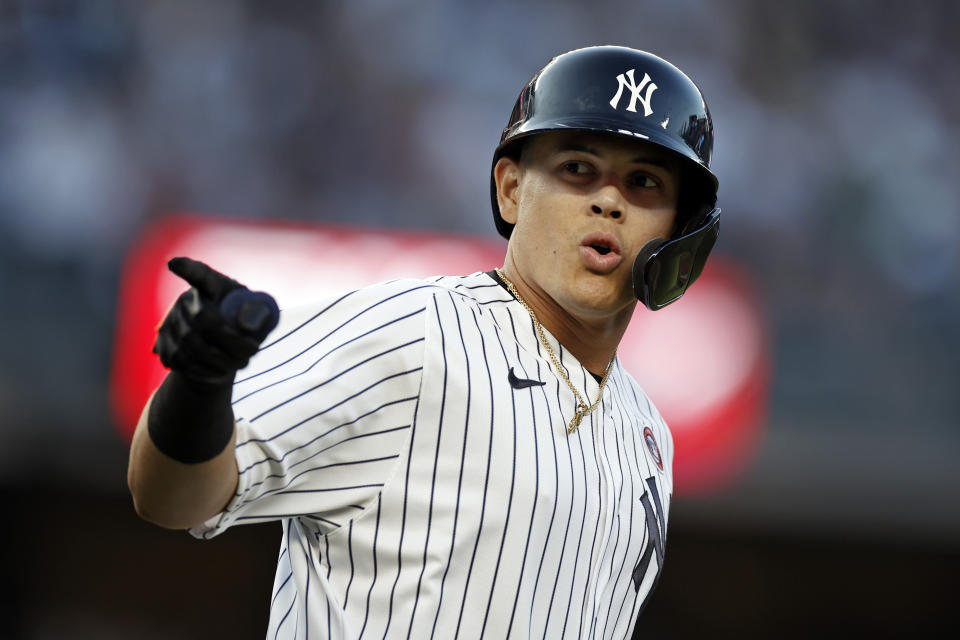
(182, 467)
(175, 494)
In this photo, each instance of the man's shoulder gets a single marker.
(634, 392)
(392, 298)
(400, 292)
(476, 287)
(355, 324)
(479, 287)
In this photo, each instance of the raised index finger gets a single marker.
(209, 282)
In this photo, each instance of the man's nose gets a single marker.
(608, 201)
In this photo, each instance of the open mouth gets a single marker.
(602, 249)
(601, 242)
(600, 252)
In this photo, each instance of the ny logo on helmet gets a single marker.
(626, 80)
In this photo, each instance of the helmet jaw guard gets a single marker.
(663, 269)
(634, 94)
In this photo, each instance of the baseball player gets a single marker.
(459, 456)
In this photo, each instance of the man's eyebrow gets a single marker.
(643, 158)
(576, 146)
(656, 161)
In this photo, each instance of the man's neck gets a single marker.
(592, 343)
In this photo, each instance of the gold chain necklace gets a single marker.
(582, 409)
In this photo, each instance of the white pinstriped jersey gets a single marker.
(422, 495)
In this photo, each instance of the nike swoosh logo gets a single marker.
(522, 383)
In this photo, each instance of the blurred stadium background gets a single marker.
(837, 150)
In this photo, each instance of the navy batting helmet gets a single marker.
(633, 94)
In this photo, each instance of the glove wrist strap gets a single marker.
(190, 421)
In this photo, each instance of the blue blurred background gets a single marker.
(837, 131)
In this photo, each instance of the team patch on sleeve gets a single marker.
(652, 447)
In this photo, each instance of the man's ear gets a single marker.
(507, 176)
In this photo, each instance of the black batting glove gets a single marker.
(214, 327)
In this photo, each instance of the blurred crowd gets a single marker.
(836, 147)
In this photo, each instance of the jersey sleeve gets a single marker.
(326, 406)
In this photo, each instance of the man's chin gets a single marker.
(603, 302)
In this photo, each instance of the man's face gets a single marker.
(584, 205)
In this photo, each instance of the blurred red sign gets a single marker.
(703, 360)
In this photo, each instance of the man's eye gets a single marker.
(644, 181)
(578, 168)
